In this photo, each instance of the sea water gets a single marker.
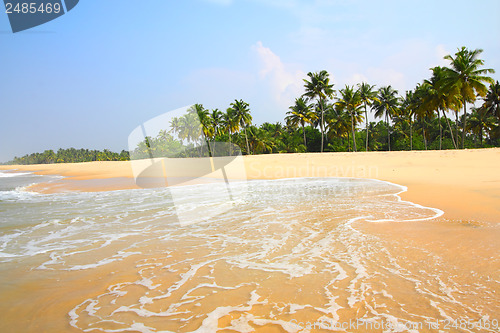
(288, 256)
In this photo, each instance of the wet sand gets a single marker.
(464, 184)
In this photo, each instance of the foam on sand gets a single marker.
(290, 251)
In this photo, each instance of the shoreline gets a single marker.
(465, 184)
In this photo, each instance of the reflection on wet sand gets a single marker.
(266, 265)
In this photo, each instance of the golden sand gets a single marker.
(465, 184)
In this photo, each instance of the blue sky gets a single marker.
(88, 78)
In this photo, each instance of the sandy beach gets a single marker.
(465, 184)
(441, 268)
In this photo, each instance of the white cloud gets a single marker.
(440, 53)
(282, 81)
(356, 79)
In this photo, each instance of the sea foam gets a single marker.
(287, 249)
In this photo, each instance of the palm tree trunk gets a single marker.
(321, 124)
(246, 139)
(425, 140)
(366, 118)
(440, 130)
(388, 131)
(451, 131)
(209, 148)
(456, 127)
(348, 141)
(214, 136)
(353, 134)
(304, 132)
(214, 152)
(411, 135)
(463, 125)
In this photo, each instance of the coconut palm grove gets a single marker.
(457, 107)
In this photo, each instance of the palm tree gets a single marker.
(259, 140)
(407, 111)
(386, 105)
(322, 107)
(175, 125)
(272, 136)
(492, 100)
(300, 113)
(216, 120)
(338, 121)
(230, 124)
(275, 130)
(350, 101)
(205, 121)
(243, 117)
(188, 126)
(438, 100)
(368, 95)
(196, 126)
(424, 111)
(479, 120)
(466, 79)
(319, 87)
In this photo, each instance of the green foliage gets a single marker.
(492, 100)
(163, 145)
(71, 155)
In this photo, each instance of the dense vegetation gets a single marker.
(70, 155)
(439, 113)
(323, 119)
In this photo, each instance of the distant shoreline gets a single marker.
(465, 184)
